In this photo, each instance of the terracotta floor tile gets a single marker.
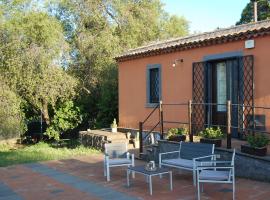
(31, 185)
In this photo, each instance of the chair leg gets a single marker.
(108, 172)
(202, 187)
(133, 173)
(104, 169)
(160, 176)
(198, 191)
(233, 189)
(194, 178)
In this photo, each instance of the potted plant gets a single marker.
(257, 144)
(177, 134)
(212, 136)
(114, 126)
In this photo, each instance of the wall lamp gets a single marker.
(177, 61)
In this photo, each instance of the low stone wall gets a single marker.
(246, 166)
(98, 138)
(92, 140)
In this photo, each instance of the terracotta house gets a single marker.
(209, 69)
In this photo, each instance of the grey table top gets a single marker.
(141, 169)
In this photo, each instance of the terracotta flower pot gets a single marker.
(256, 151)
(177, 138)
(217, 142)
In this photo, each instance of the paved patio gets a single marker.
(82, 178)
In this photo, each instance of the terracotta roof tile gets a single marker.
(196, 39)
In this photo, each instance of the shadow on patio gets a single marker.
(82, 178)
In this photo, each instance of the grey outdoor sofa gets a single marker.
(188, 156)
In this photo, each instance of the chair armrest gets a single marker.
(213, 162)
(209, 156)
(161, 154)
(170, 152)
(214, 167)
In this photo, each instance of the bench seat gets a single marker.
(185, 163)
(187, 157)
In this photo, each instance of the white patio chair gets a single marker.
(216, 172)
(116, 155)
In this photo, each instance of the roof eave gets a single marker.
(197, 44)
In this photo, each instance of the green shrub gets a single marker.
(211, 133)
(177, 131)
(66, 117)
(257, 140)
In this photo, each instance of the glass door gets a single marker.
(219, 93)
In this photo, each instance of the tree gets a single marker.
(11, 115)
(99, 30)
(174, 26)
(32, 46)
(247, 15)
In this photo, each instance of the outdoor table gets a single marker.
(149, 174)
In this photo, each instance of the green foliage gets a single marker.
(177, 131)
(66, 117)
(39, 152)
(64, 50)
(11, 116)
(257, 140)
(211, 133)
(100, 30)
(247, 15)
(33, 46)
(174, 26)
(107, 105)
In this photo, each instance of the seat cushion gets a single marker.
(214, 175)
(179, 162)
(119, 161)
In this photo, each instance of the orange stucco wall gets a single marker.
(177, 82)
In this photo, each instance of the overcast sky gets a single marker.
(207, 15)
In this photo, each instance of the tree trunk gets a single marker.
(45, 112)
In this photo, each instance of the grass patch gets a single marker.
(39, 152)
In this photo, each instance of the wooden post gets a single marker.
(161, 120)
(141, 136)
(229, 136)
(189, 121)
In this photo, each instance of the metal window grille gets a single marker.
(154, 85)
(198, 93)
(246, 94)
